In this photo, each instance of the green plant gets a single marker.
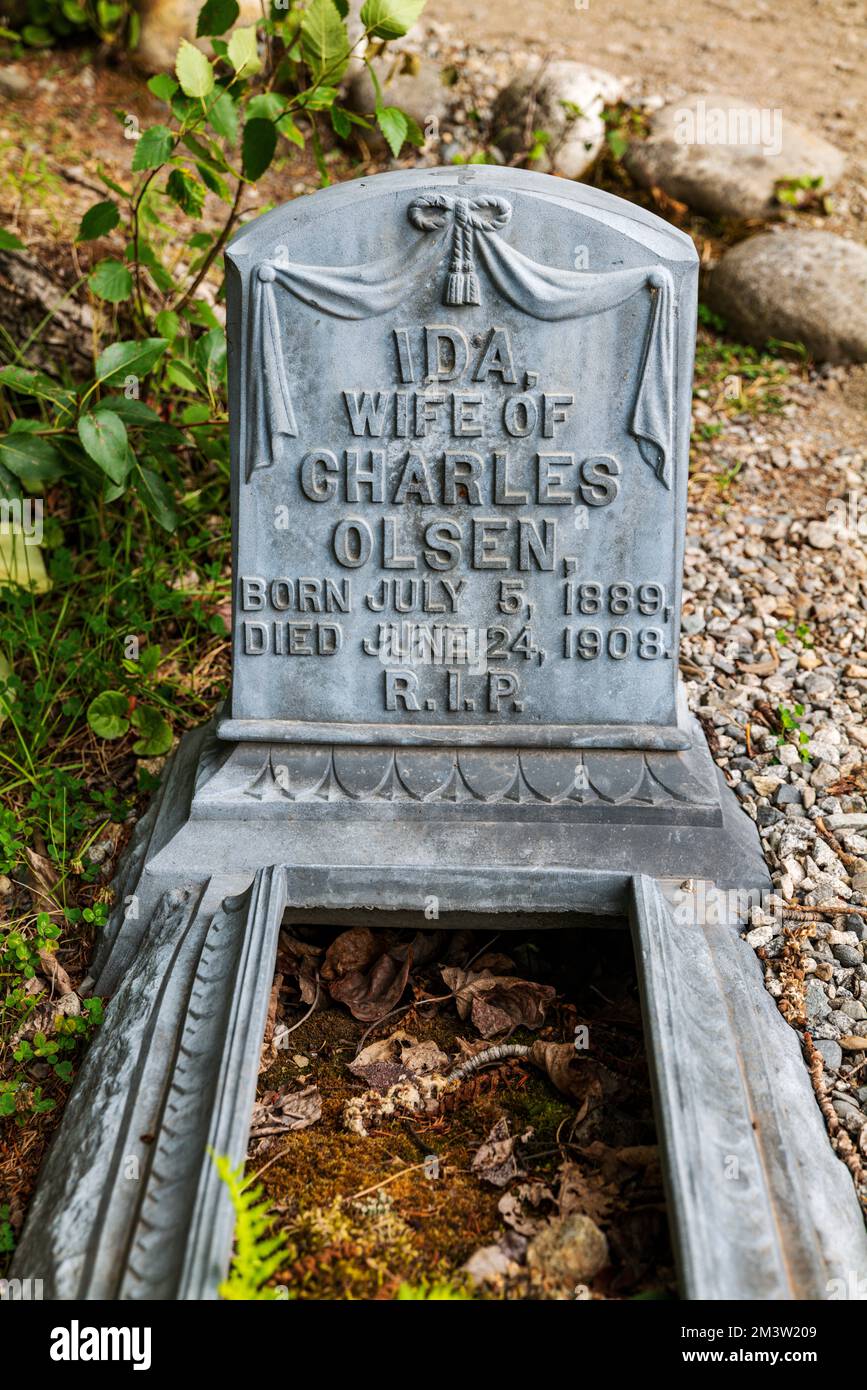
(225, 120)
(802, 633)
(443, 1290)
(805, 191)
(11, 847)
(258, 1253)
(70, 1032)
(112, 21)
(539, 146)
(790, 724)
(7, 1235)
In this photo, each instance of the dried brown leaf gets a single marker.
(498, 1003)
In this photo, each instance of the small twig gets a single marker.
(829, 909)
(482, 950)
(413, 1168)
(842, 1144)
(308, 1013)
(401, 1009)
(850, 860)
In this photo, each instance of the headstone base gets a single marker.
(128, 1204)
(387, 816)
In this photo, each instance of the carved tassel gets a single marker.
(462, 286)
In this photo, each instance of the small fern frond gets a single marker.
(258, 1252)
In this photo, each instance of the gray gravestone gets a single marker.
(460, 406)
(460, 432)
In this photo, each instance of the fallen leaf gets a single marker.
(498, 1003)
(587, 1193)
(269, 1051)
(371, 995)
(43, 883)
(54, 972)
(299, 961)
(521, 1208)
(350, 952)
(281, 1112)
(399, 1057)
(566, 1068)
(495, 1161)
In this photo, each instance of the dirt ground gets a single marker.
(805, 57)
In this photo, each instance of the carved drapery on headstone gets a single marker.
(545, 292)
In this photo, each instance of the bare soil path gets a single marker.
(806, 57)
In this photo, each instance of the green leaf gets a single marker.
(128, 409)
(98, 221)
(257, 150)
(29, 383)
(216, 16)
(153, 149)
(341, 122)
(10, 242)
(394, 126)
(214, 183)
(265, 105)
(243, 52)
(415, 135)
(324, 40)
(181, 374)
(156, 732)
(129, 359)
(103, 435)
(287, 127)
(107, 714)
(156, 499)
(168, 324)
(111, 280)
(110, 183)
(206, 152)
(195, 73)
(32, 459)
(211, 356)
(390, 19)
(223, 116)
(322, 98)
(163, 86)
(186, 192)
(148, 257)
(36, 36)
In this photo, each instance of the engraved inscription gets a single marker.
(446, 506)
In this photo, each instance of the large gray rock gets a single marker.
(566, 101)
(165, 22)
(723, 156)
(421, 94)
(800, 286)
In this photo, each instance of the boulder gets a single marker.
(566, 101)
(165, 22)
(724, 157)
(422, 94)
(799, 286)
